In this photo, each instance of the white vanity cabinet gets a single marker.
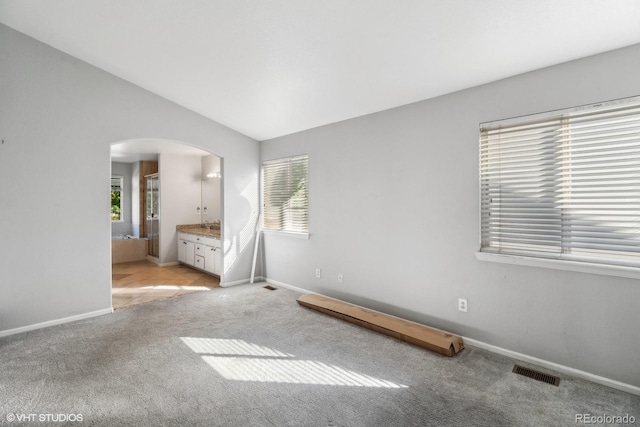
(201, 252)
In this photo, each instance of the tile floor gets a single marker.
(142, 281)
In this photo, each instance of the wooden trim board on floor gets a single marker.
(414, 333)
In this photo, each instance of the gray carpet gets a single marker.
(247, 356)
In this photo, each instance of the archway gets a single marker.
(163, 184)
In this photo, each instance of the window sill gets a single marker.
(305, 236)
(577, 266)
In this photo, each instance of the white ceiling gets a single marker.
(270, 68)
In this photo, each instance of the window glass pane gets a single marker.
(566, 186)
(285, 194)
(116, 198)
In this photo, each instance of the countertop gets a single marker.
(199, 229)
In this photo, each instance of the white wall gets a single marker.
(180, 182)
(58, 117)
(394, 207)
(125, 171)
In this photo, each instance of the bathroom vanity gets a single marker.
(200, 248)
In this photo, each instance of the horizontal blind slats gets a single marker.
(285, 194)
(116, 184)
(564, 186)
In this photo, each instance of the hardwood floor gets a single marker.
(142, 281)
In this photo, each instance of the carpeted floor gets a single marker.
(247, 356)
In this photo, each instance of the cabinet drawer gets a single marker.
(195, 238)
(200, 249)
(212, 241)
(199, 261)
(188, 237)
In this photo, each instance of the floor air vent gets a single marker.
(269, 287)
(536, 375)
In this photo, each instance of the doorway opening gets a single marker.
(166, 185)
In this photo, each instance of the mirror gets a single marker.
(211, 194)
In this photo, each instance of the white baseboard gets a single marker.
(632, 389)
(554, 366)
(168, 264)
(241, 282)
(55, 322)
(293, 288)
(157, 262)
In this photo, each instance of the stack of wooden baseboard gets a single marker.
(414, 333)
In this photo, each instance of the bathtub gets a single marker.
(123, 237)
(127, 249)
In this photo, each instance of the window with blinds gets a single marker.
(565, 185)
(285, 194)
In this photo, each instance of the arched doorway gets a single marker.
(162, 185)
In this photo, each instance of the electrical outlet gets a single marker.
(340, 278)
(318, 273)
(462, 304)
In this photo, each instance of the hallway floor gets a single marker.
(142, 281)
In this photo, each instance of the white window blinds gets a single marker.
(116, 183)
(285, 195)
(564, 186)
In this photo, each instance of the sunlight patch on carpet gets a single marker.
(292, 372)
(230, 347)
(239, 360)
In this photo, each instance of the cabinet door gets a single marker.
(209, 259)
(217, 264)
(182, 250)
(190, 255)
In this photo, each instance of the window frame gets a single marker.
(593, 265)
(278, 162)
(121, 178)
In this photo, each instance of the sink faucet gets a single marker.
(206, 224)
